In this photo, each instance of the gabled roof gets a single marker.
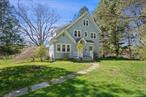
(71, 24)
(64, 28)
(59, 29)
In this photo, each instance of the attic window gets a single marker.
(86, 22)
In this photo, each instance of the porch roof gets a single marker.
(88, 41)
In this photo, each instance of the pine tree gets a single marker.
(111, 25)
(9, 29)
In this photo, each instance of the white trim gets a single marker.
(70, 37)
(83, 40)
(72, 24)
(90, 43)
(90, 18)
(61, 47)
(92, 51)
(85, 20)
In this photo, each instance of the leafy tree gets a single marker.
(38, 23)
(10, 40)
(41, 52)
(115, 25)
(140, 49)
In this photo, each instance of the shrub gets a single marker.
(41, 52)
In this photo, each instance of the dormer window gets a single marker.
(86, 22)
(77, 33)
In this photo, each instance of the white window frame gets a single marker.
(61, 45)
(78, 33)
(60, 48)
(85, 22)
(94, 34)
(87, 33)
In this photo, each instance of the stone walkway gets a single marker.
(60, 80)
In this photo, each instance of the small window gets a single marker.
(93, 35)
(58, 48)
(63, 48)
(86, 34)
(86, 22)
(77, 33)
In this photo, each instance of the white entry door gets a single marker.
(91, 49)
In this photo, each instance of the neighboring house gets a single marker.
(82, 30)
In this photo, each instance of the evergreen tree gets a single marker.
(115, 25)
(9, 29)
(111, 24)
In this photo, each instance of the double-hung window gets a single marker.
(86, 22)
(58, 48)
(68, 48)
(63, 48)
(93, 35)
(77, 33)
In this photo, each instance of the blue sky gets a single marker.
(65, 8)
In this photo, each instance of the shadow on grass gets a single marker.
(81, 88)
(117, 58)
(13, 78)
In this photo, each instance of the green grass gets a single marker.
(15, 76)
(112, 79)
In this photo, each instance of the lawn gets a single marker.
(15, 76)
(112, 79)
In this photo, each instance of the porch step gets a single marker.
(87, 58)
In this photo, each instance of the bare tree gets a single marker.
(37, 23)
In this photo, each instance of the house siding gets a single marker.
(63, 39)
(89, 29)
